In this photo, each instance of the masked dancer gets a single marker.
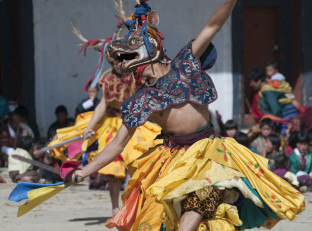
(194, 180)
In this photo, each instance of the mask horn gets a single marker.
(153, 19)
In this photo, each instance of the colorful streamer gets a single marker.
(35, 193)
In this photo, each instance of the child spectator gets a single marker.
(243, 139)
(281, 168)
(266, 128)
(230, 128)
(300, 161)
(29, 127)
(45, 176)
(90, 103)
(20, 170)
(274, 78)
(47, 159)
(273, 143)
(23, 112)
(38, 157)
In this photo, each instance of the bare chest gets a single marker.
(182, 119)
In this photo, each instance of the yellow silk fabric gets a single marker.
(225, 218)
(115, 168)
(283, 87)
(38, 196)
(166, 174)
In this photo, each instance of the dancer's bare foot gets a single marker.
(114, 189)
(115, 211)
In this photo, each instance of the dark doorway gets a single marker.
(261, 38)
(264, 31)
(17, 53)
(0, 63)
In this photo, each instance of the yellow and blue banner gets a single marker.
(35, 193)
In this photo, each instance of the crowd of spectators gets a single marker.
(20, 137)
(283, 129)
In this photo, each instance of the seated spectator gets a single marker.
(10, 137)
(20, 170)
(230, 128)
(90, 103)
(281, 168)
(61, 119)
(23, 113)
(300, 161)
(38, 157)
(266, 128)
(45, 176)
(46, 158)
(13, 103)
(273, 143)
(243, 139)
(28, 127)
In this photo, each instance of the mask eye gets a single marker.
(133, 42)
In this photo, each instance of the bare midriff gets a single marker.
(183, 119)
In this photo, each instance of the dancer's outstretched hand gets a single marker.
(74, 177)
(88, 133)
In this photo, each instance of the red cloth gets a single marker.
(255, 108)
(117, 87)
(68, 167)
(305, 113)
(288, 151)
(74, 149)
(139, 73)
(125, 218)
(118, 158)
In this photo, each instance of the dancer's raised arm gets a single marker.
(214, 24)
(109, 153)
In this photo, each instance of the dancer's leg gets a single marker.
(189, 221)
(114, 188)
(195, 210)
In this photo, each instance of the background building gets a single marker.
(39, 62)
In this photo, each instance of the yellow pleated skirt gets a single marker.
(166, 175)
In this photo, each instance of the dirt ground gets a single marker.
(79, 209)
